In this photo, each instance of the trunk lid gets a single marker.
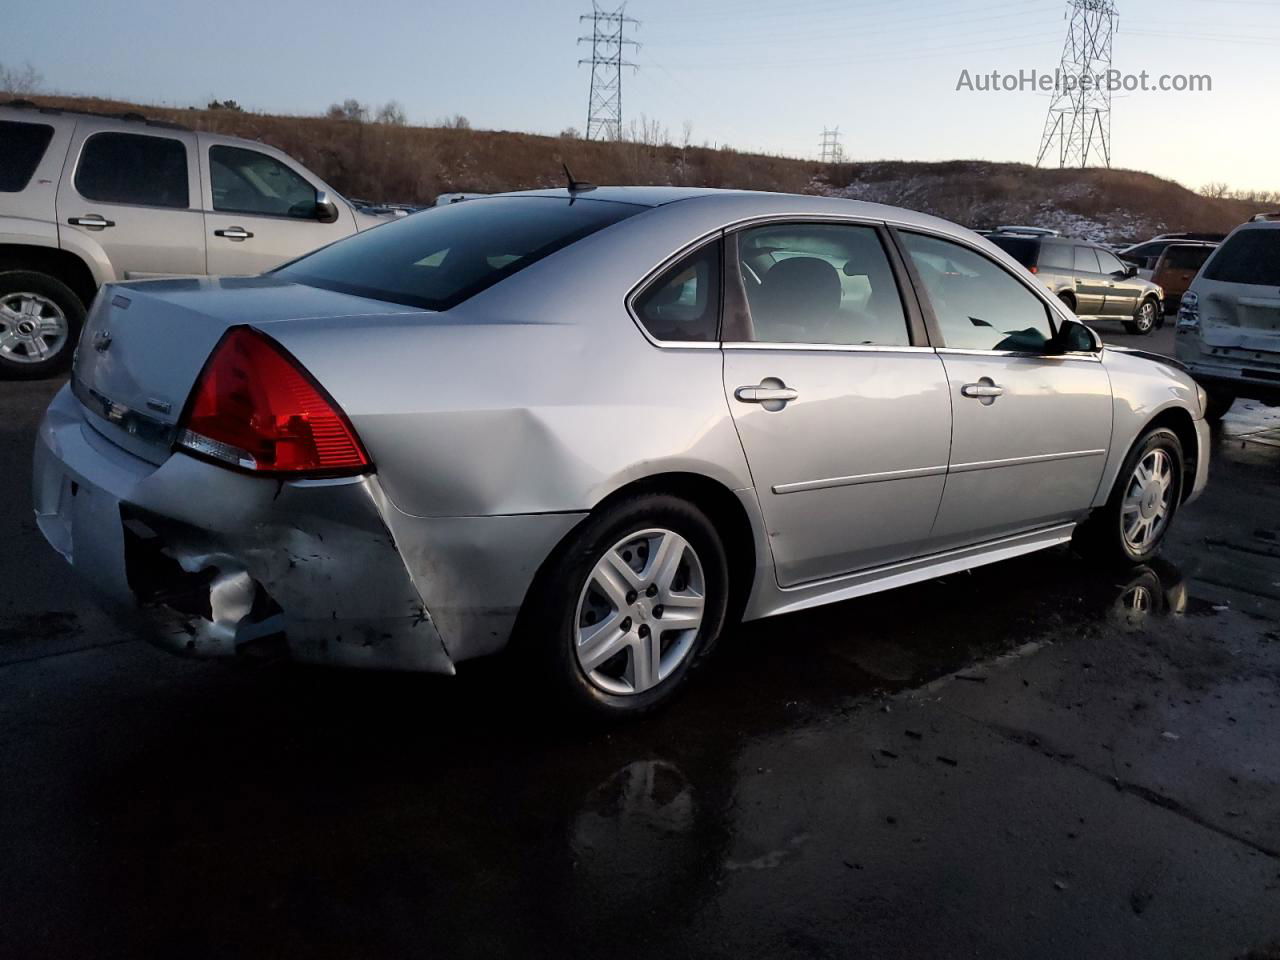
(145, 343)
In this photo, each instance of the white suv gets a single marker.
(1229, 321)
(87, 199)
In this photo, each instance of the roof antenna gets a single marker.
(576, 186)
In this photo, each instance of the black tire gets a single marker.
(1145, 319)
(1068, 300)
(546, 633)
(73, 312)
(1101, 536)
(1220, 402)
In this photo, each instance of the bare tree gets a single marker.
(571, 133)
(392, 113)
(20, 81)
(350, 109)
(456, 122)
(1215, 190)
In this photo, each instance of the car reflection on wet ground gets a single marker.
(1037, 758)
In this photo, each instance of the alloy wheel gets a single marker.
(1148, 501)
(1146, 315)
(639, 612)
(33, 329)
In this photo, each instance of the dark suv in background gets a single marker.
(1089, 279)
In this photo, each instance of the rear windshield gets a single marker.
(1251, 256)
(1021, 249)
(439, 257)
(21, 147)
(1186, 258)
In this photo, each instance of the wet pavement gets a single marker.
(1033, 759)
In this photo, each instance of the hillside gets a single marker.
(411, 164)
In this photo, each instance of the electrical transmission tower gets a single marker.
(1078, 126)
(608, 39)
(832, 152)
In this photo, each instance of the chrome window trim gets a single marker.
(1022, 354)
(824, 347)
(641, 285)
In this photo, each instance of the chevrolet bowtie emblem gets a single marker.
(102, 340)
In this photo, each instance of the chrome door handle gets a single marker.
(984, 390)
(233, 233)
(93, 221)
(762, 394)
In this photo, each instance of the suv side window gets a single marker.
(133, 168)
(1087, 260)
(24, 146)
(246, 181)
(683, 304)
(1056, 256)
(1109, 263)
(978, 304)
(820, 283)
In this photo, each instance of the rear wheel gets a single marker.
(1145, 319)
(40, 320)
(1069, 300)
(624, 609)
(1220, 402)
(1132, 526)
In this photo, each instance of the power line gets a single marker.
(608, 39)
(1078, 124)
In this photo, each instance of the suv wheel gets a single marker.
(1132, 526)
(627, 606)
(1146, 318)
(1220, 402)
(1069, 300)
(40, 320)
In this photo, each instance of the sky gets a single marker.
(756, 75)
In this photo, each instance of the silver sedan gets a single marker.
(596, 426)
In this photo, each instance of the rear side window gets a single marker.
(439, 257)
(1186, 258)
(1056, 256)
(1250, 256)
(134, 168)
(979, 305)
(1022, 249)
(21, 147)
(246, 181)
(683, 304)
(1086, 260)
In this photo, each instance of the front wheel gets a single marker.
(1132, 526)
(1145, 319)
(626, 607)
(40, 320)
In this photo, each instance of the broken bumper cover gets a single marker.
(211, 562)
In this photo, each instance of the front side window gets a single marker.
(683, 304)
(1108, 263)
(439, 257)
(23, 146)
(1087, 260)
(246, 181)
(1250, 256)
(820, 283)
(133, 168)
(978, 304)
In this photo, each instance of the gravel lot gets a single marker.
(1034, 759)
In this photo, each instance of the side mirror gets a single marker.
(326, 209)
(1130, 271)
(1074, 337)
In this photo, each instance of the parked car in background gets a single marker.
(598, 425)
(1176, 268)
(1088, 278)
(1228, 332)
(88, 199)
(1144, 255)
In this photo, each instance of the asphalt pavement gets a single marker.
(1035, 759)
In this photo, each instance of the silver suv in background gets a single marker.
(1088, 278)
(1229, 323)
(87, 199)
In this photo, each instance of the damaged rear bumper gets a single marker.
(211, 562)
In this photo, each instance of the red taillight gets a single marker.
(1034, 269)
(254, 406)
